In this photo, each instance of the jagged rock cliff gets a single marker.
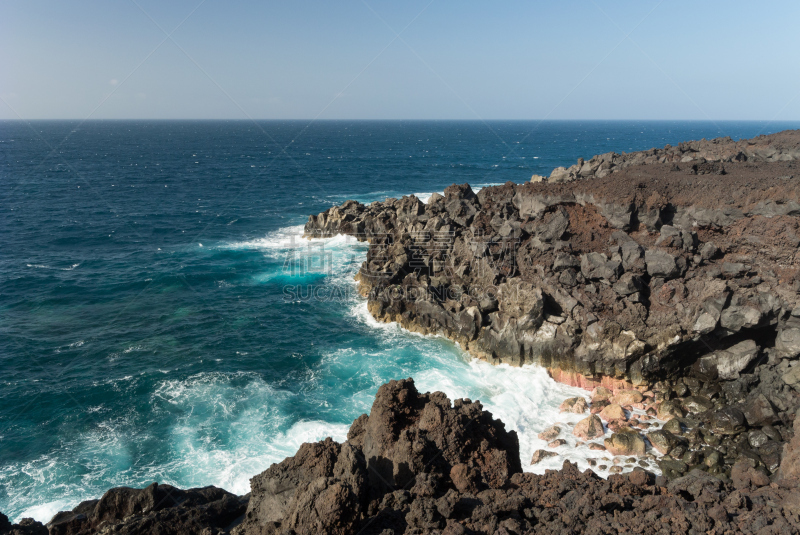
(419, 464)
(673, 271)
(632, 276)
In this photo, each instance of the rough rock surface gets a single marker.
(630, 276)
(442, 468)
(155, 509)
(673, 271)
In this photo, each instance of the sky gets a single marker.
(409, 59)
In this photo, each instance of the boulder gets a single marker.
(540, 455)
(628, 283)
(601, 393)
(632, 255)
(727, 421)
(625, 442)
(674, 426)
(792, 377)
(549, 434)
(787, 343)
(696, 404)
(735, 318)
(708, 251)
(596, 266)
(565, 261)
(668, 410)
(661, 264)
(613, 412)
(560, 174)
(552, 226)
(735, 359)
(628, 397)
(576, 405)
(672, 469)
(662, 441)
(705, 323)
(760, 411)
(757, 438)
(589, 428)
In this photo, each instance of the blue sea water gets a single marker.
(161, 319)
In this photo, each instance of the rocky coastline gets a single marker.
(670, 272)
(664, 281)
(423, 464)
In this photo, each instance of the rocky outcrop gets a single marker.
(702, 157)
(653, 271)
(405, 435)
(421, 464)
(619, 281)
(154, 509)
(26, 526)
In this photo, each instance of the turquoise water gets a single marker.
(161, 319)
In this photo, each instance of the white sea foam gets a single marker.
(526, 399)
(291, 238)
(232, 431)
(425, 197)
(44, 266)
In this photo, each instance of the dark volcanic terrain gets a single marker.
(665, 280)
(421, 464)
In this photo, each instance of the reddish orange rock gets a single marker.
(589, 428)
(601, 393)
(576, 405)
(613, 413)
(550, 433)
(628, 397)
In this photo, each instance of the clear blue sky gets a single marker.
(342, 59)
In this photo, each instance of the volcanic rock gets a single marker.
(628, 397)
(551, 433)
(613, 412)
(540, 455)
(576, 405)
(467, 485)
(663, 441)
(589, 428)
(601, 393)
(643, 265)
(625, 442)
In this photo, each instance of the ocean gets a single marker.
(161, 318)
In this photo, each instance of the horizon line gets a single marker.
(22, 120)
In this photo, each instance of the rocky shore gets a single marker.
(421, 464)
(664, 281)
(670, 272)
